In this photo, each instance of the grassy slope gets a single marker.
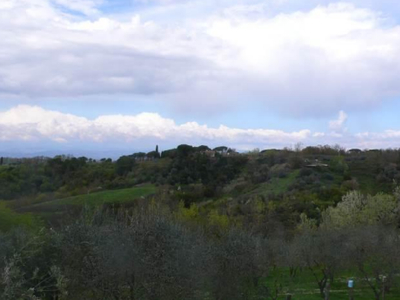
(112, 196)
(278, 185)
(363, 172)
(10, 219)
(52, 212)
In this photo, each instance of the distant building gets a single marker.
(354, 151)
(315, 164)
(210, 153)
(220, 151)
(230, 152)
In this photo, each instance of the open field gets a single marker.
(99, 198)
(94, 199)
(55, 210)
(10, 219)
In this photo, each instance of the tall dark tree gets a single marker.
(124, 165)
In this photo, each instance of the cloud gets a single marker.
(36, 125)
(316, 61)
(87, 7)
(46, 53)
(379, 140)
(33, 123)
(337, 125)
(306, 63)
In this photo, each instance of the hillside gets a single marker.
(286, 182)
(267, 224)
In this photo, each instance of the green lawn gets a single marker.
(55, 212)
(10, 219)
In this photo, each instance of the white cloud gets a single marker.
(316, 61)
(379, 140)
(338, 125)
(319, 134)
(144, 130)
(25, 122)
(304, 63)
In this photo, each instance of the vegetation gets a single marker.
(111, 196)
(201, 223)
(10, 219)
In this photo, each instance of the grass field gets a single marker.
(55, 211)
(278, 185)
(110, 196)
(304, 287)
(10, 219)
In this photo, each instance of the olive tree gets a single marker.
(238, 266)
(375, 252)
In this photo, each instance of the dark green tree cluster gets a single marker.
(192, 165)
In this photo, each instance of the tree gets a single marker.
(375, 252)
(238, 266)
(319, 253)
(124, 165)
(359, 209)
(144, 255)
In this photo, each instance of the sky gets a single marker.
(111, 77)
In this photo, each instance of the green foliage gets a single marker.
(124, 165)
(338, 164)
(190, 214)
(220, 225)
(358, 209)
(193, 167)
(150, 253)
(279, 185)
(10, 219)
(221, 222)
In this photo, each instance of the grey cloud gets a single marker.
(46, 53)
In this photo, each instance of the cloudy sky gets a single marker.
(118, 76)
